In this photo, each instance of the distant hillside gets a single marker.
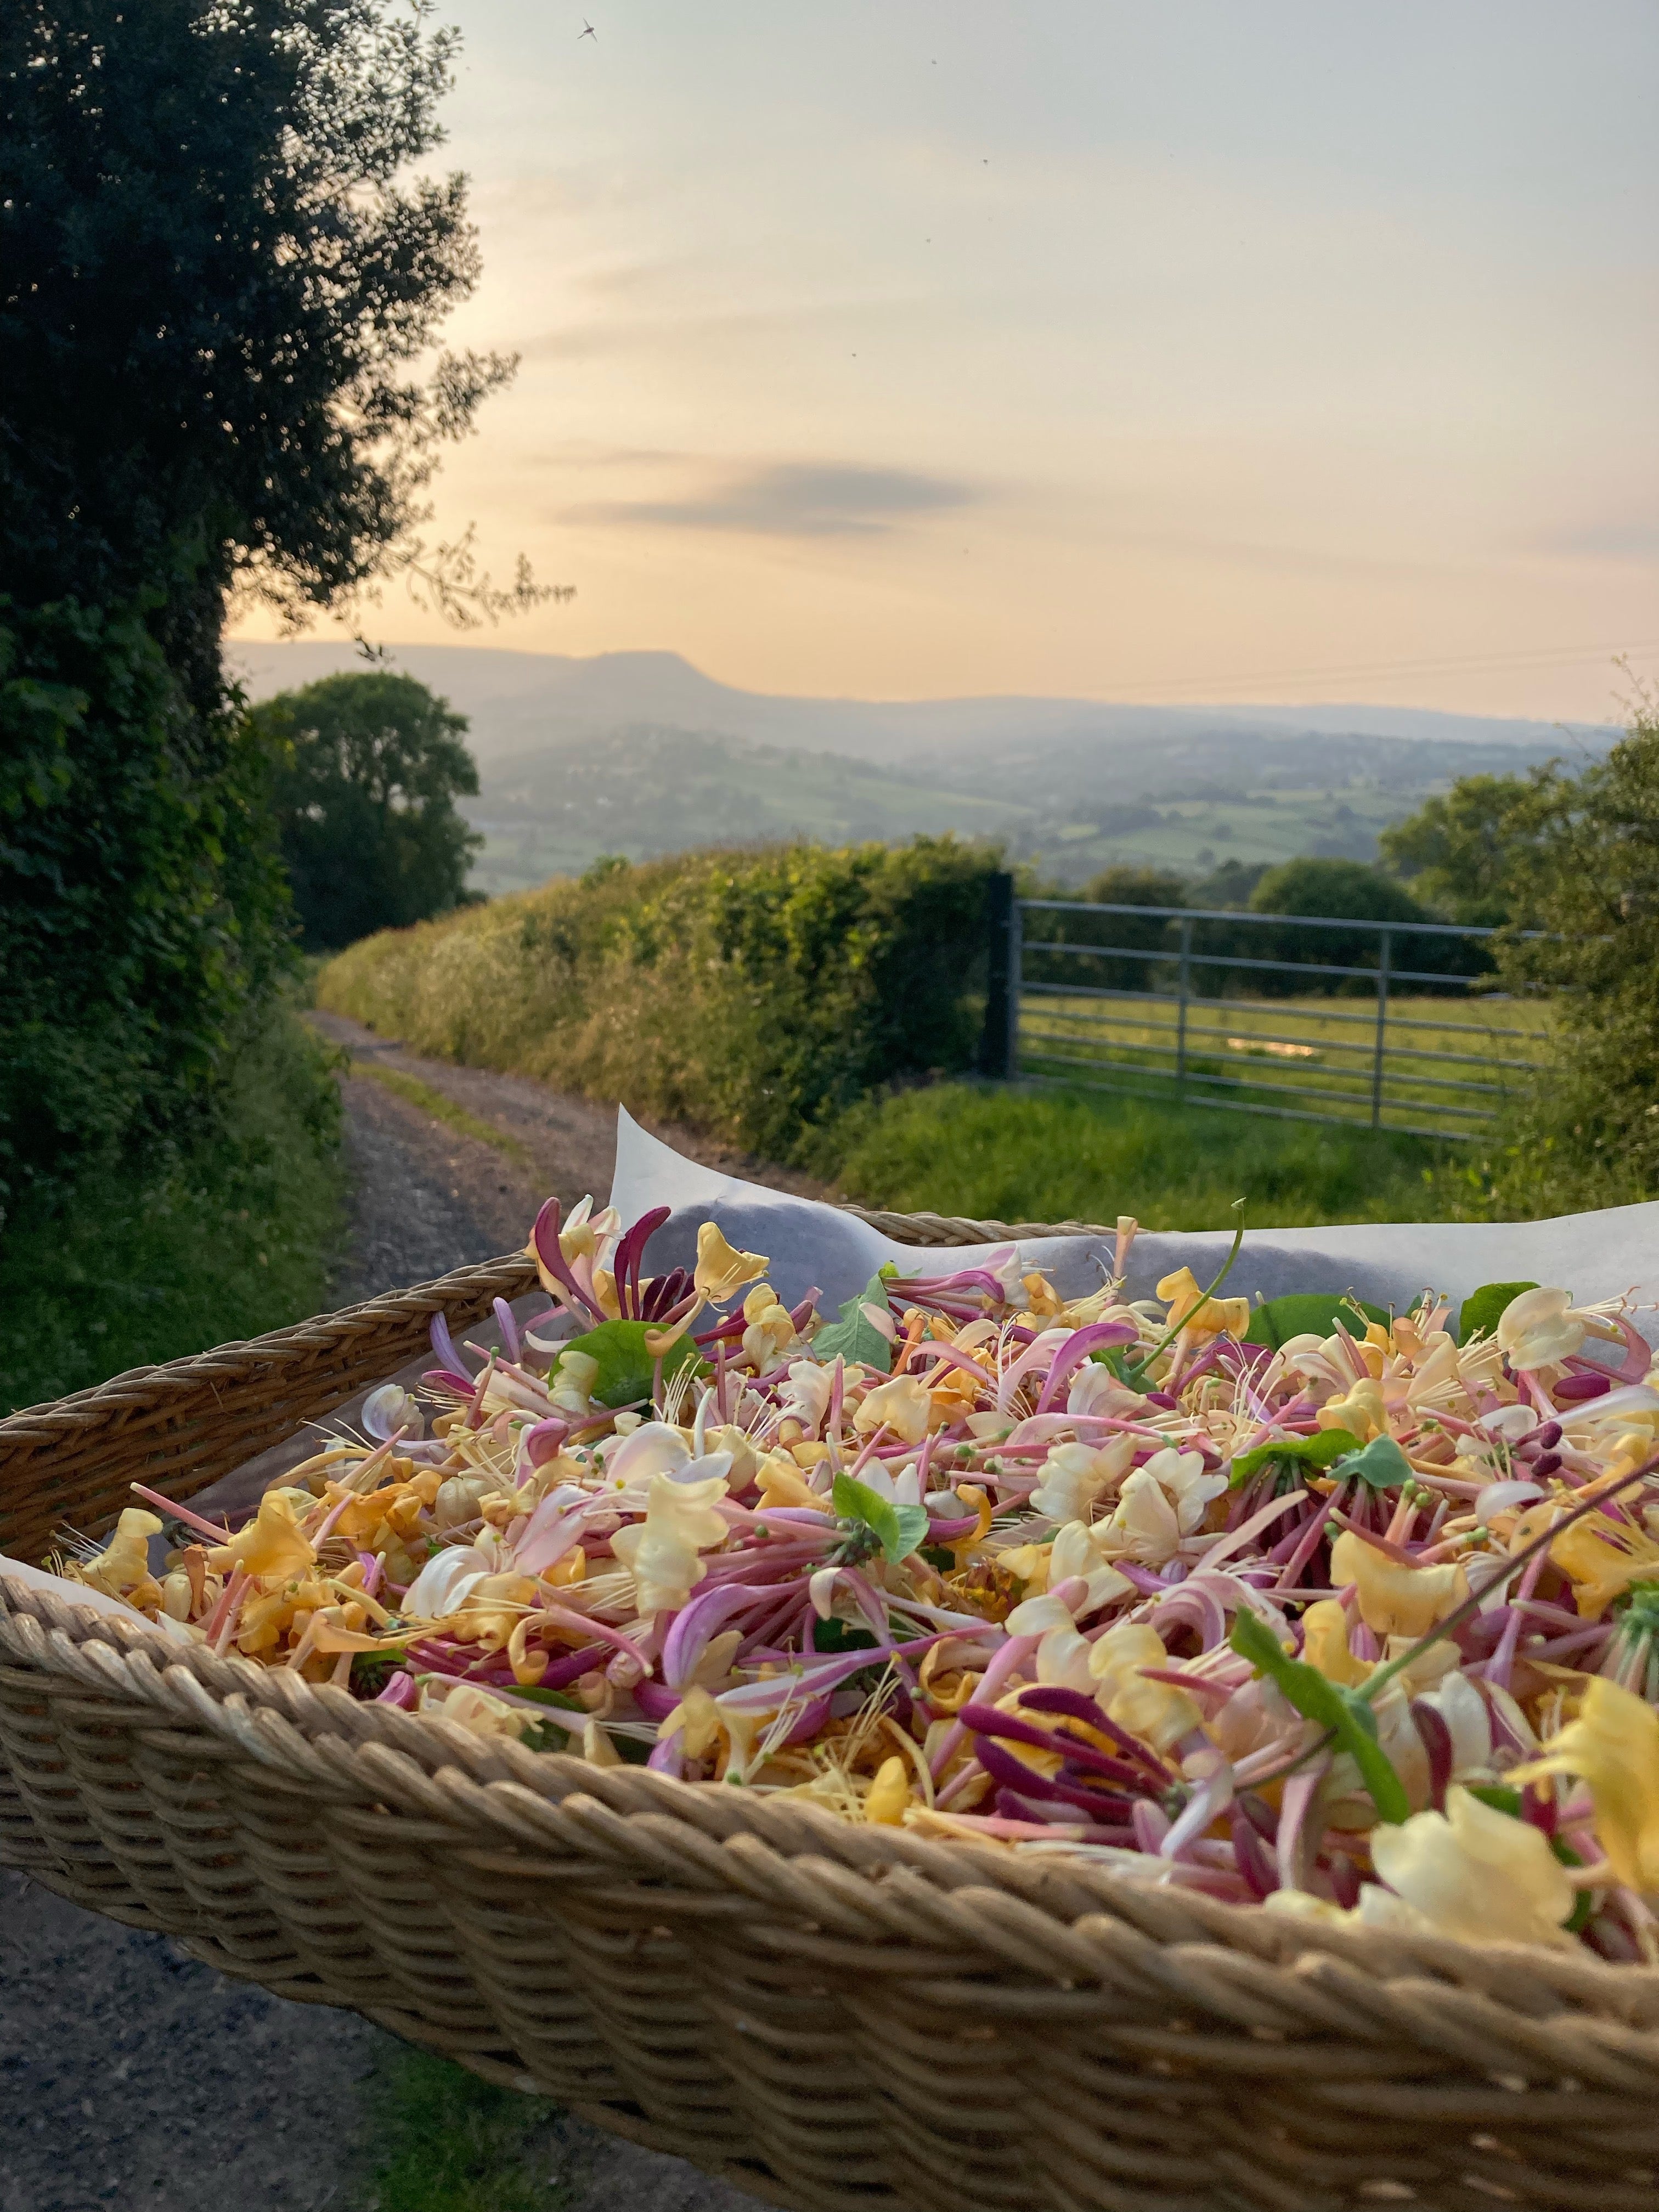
(640, 753)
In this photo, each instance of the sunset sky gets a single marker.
(1145, 352)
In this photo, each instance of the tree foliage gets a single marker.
(218, 282)
(222, 280)
(372, 767)
(1471, 853)
(142, 905)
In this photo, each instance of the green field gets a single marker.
(1448, 1063)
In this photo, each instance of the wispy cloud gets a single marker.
(1634, 540)
(795, 498)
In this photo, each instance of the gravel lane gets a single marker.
(129, 2076)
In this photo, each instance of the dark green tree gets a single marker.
(222, 280)
(372, 767)
(1327, 890)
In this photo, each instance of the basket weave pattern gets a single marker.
(833, 2017)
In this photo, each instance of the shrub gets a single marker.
(142, 908)
(755, 993)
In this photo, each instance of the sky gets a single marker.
(1185, 352)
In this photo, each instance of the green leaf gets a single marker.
(855, 1336)
(1117, 1363)
(1330, 1705)
(1381, 1466)
(900, 1528)
(1307, 1313)
(626, 1367)
(1482, 1308)
(1318, 1450)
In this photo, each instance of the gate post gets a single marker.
(997, 1049)
(1186, 992)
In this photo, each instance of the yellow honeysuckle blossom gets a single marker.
(722, 1270)
(1601, 1555)
(680, 1521)
(1476, 1874)
(1395, 1600)
(1202, 1316)
(1613, 1747)
(1074, 1475)
(887, 1796)
(782, 1483)
(1361, 1413)
(1160, 1506)
(902, 1406)
(123, 1567)
(768, 1331)
(1076, 1550)
(1325, 1643)
(696, 1719)
(1157, 1713)
(272, 1544)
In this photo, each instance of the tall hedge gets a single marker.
(142, 909)
(755, 993)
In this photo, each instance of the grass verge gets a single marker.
(417, 1093)
(446, 2141)
(1019, 1155)
(229, 1239)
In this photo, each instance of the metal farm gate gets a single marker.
(1389, 1025)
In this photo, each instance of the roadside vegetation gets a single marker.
(1019, 1154)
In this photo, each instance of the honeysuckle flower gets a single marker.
(1613, 1747)
(473, 1708)
(721, 1270)
(696, 1720)
(899, 1485)
(123, 1565)
(1475, 1874)
(1075, 1474)
(1396, 1600)
(901, 1405)
(570, 1383)
(887, 1796)
(680, 1521)
(1201, 1316)
(391, 1411)
(1325, 1643)
(1361, 1412)
(1076, 1554)
(805, 1394)
(768, 1330)
(585, 1233)
(1157, 1713)
(1540, 1328)
(272, 1544)
(1601, 1555)
(1159, 1506)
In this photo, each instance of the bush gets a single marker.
(1587, 1134)
(754, 993)
(142, 907)
(218, 1239)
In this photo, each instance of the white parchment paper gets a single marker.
(1594, 1255)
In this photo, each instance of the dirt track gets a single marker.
(130, 2076)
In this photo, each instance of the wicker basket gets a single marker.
(831, 2017)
